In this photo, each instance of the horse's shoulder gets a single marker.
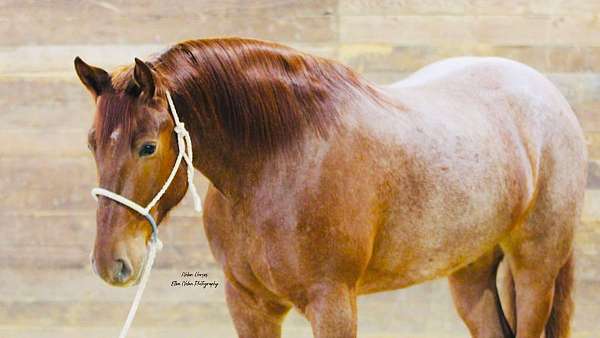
(216, 207)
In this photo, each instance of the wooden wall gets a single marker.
(47, 215)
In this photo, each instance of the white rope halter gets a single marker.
(184, 144)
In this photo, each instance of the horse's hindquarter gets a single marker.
(465, 166)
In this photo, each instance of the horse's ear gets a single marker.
(144, 79)
(94, 79)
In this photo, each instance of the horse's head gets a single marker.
(134, 147)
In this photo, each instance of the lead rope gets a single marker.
(184, 144)
(155, 246)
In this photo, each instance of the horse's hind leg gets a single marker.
(539, 252)
(536, 263)
(506, 291)
(476, 297)
(253, 316)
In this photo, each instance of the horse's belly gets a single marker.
(400, 262)
(409, 249)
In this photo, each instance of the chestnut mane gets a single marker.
(257, 94)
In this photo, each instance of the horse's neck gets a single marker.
(246, 177)
(238, 173)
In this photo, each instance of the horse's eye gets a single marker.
(147, 149)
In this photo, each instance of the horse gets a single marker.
(325, 186)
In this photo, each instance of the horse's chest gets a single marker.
(260, 261)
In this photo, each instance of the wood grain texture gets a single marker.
(42, 185)
(478, 7)
(28, 22)
(498, 30)
(399, 58)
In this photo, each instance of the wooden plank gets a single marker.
(45, 104)
(587, 237)
(80, 229)
(77, 256)
(98, 313)
(60, 184)
(160, 22)
(582, 87)
(193, 8)
(44, 144)
(58, 284)
(581, 30)
(550, 59)
(25, 61)
(588, 113)
(593, 141)
(201, 327)
(594, 175)
(399, 8)
(591, 207)
(63, 184)
(471, 7)
(19, 60)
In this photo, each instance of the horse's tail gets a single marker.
(559, 323)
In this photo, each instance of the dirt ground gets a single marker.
(75, 303)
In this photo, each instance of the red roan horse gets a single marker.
(325, 187)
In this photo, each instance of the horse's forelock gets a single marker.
(115, 111)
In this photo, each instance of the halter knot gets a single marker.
(180, 129)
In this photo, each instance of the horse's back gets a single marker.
(507, 88)
(482, 98)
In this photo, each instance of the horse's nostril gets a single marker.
(122, 270)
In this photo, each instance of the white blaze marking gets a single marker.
(115, 135)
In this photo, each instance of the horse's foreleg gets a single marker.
(331, 311)
(538, 252)
(253, 316)
(476, 297)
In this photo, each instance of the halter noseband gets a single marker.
(184, 144)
